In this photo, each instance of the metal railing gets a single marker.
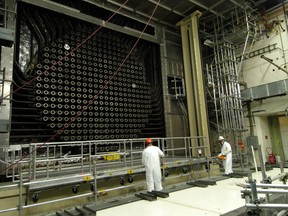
(265, 206)
(90, 161)
(45, 160)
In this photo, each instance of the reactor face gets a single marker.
(79, 84)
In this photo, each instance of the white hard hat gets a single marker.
(221, 138)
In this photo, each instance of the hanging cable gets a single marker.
(106, 83)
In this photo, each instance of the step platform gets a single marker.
(77, 211)
(159, 194)
(201, 183)
(152, 196)
(237, 174)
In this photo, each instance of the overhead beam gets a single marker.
(167, 8)
(56, 7)
(136, 12)
(206, 8)
(257, 3)
(216, 4)
(244, 7)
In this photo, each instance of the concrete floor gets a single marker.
(220, 199)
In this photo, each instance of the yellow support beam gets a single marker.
(196, 99)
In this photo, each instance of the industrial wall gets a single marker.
(265, 76)
(91, 81)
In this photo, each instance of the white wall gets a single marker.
(262, 131)
(257, 71)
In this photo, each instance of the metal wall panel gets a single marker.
(265, 91)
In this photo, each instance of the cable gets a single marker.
(72, 51)
(56, 63)
(106, 82)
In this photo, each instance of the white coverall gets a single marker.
(151, 160)
(227, 152)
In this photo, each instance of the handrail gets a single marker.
(46, 163)
(129, 150)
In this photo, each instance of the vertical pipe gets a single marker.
(131, 152)
(208, 168)
(238, 94)
(219, 87)
(190, 148)
(245, 44)
(82, 158)
(61, 151)
(163, 162)
(6, 166)
(90, 161)
(281, 166)
(95, 182)
(214, 97)
(227, 72)
(13, 162)
(125, 149)
(34, 161)
(232, 86)
(282, 45)
(186, 151)
(216, 56)
(223, 89)
(284, 13)
(30, 161)
(54, 154)
(263, 170)
(20, 190)
(254, 191)
(47, 163)
(235, 87)
(254, 159)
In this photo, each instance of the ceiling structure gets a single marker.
(170, 12)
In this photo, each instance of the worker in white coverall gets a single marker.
(151, 160)
(227, 152)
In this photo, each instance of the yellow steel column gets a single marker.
(196, 99)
